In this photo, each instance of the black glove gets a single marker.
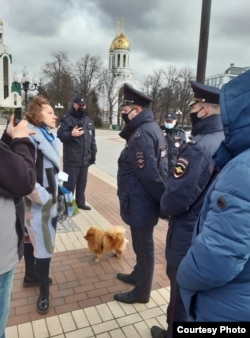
(92, 160)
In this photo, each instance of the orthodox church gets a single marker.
(115, 76)
(9, 97)
(110, 92)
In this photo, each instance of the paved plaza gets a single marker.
(82, 303)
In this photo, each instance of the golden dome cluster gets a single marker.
(119, 42)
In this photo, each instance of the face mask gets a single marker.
(194, 118)
(81, 111)
(169, 125)
(125, 116)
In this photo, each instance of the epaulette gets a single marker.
(137, 134)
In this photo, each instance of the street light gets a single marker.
(25, 84)
(179, 115)
(58, 107)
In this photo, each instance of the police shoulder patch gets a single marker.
(180, 167)
(140, 159)
(137, 134)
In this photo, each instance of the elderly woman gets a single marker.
(41, 205)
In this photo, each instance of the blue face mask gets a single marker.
(169, 125)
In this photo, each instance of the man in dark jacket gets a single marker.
(214, 276)
(17, 179)
(142, 172)
(186, 188)
(175, 138)
(77, 132)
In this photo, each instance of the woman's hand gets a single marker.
(18, 131)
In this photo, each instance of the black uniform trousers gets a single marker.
(77, 182)
(143, 246)
(175, 311)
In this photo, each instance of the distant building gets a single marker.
(9, 97)
(220, 79)
(117, 74)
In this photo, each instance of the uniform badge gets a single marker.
(177, 141)
(140, 160)
(180, 167)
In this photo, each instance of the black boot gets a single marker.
(127, 278)
(31, 277)
(42, 305)
(30, 281)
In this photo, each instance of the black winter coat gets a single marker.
(186, 187)
(18, 176)
(175, 138)
(142, 171)
(77, 151)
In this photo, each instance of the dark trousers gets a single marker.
(29, 260)
(35, 266)
(77, 182)
(175, 310)
(143, 245)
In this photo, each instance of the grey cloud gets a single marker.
(161, 32)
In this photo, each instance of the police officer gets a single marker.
(77, 132)
(142, 172)
(175, 138)
(186, 188)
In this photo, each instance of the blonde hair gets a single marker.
(33, 114)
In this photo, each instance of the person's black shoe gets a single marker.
(33, 281)
(84, 207)
(129, 298)
(126, 278)
(42, 305)
(157, 332)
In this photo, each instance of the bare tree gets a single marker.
(171, 90)
(108, 85)
(87, 73)
(152, 86)
(57, 81)
(185, 94)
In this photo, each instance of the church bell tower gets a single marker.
(8, 97)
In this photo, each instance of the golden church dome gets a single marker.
(119, 42)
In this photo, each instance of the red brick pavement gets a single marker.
(79, 282)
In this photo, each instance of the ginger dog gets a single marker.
(99, 241)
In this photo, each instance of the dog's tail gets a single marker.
(116, 231)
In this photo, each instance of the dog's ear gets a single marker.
(89, 235)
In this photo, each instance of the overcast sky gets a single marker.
(160, 32)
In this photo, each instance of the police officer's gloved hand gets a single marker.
(92, 160)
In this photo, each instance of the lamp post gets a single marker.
(25, 84)
(179, 115)
(58, 107)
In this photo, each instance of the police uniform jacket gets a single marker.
(183, 197)
(214, 277)
(175, 138)
(77, 151)
(142, 171)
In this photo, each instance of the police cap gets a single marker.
(80, 101)
(133, 96)
(170, 116)
(204, 93)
